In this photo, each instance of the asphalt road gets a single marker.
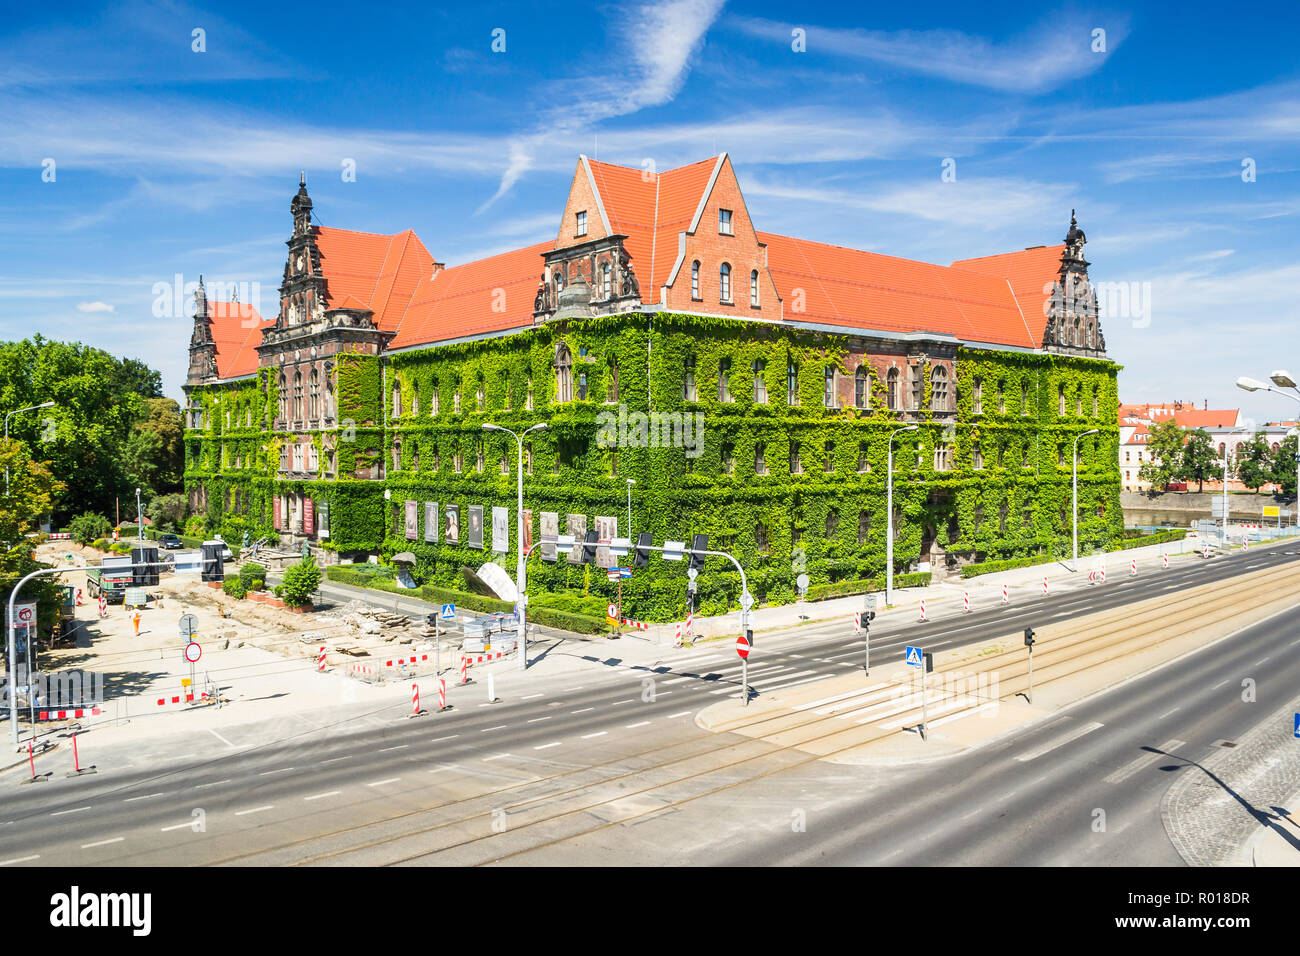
(367, 780)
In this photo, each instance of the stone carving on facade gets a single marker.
(1073, 314)
(630, 286)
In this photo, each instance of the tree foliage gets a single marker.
(32, 490)
(1199, 460)
(1255, 462)
(1165, 445)
(299, 583)
(88, 526)
(1282, 467)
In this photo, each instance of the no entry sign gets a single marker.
(193, 652)
(742, 647)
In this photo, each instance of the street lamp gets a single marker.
(630, 483)
(1091, 431)
(1282, 379)
(889, 518)
(16, 411)
(520, 584)
(139, 519)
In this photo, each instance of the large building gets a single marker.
(693, 372)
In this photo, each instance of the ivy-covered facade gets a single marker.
(770, 436)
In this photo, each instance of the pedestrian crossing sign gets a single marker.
(449, 612)
(913, 657)
(1297, 725)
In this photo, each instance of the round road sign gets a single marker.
(193, 652)
(612, 610)
(742, 647)
(25, 614)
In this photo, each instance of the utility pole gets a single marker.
(889, 518)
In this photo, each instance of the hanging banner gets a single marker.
(476, 526)
(412, 518)
(606, 531)
(500, 530)
(431, 521)
(528, 531)
(278, 519)
(576, 525)
(550, 532)
(308, 516)
(453, 524)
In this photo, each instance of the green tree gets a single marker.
(1199, 460)
(32, 490)
(299, 583)
(153, 456)
(1165, 444)
(88, 526)
(1282, 473)
(167, 512)
(1255, 462)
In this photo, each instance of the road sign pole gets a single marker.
(437, 645)
(1031, 675)
(618, 628)
(744, 679)
(925, 710)
(866, 644)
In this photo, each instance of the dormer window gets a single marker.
(724, 222)
(581, 227)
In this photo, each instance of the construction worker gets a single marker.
(135, 621)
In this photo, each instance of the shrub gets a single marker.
(197, 526)
(300, 582)
(252, 576)
(100, 543)
(88, 526)
(579, 623)
(234, 587)
(820, 592)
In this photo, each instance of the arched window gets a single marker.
(283, 400)
(891, 389)
(760, 538)
(724, 379)
(724, 283)
(397, 454)
(415, 402)
(695, 279)
(415, 458)
(862, 387)
(829, 393)
(753, 289)
(433, 397)
(313, 394)
(563, 374)
(297, 396)
(939, 388)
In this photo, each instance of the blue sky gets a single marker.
(169, 161)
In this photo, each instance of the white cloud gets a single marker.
(94, 307)
(1034, 62)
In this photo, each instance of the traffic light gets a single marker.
(929, 663)
(1029, 637)
(431, 619)
(699, 543)
(589, 548)
(641, 557)
(749, 636)
(868, 616)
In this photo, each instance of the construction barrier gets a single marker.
(415, 700)
(442, 694)
(366, 672)
(1133, 567)
(1006, 594)
(965, 602)
(923, 617)
(1044, 585)
(65, 714)
(638, 625)
(320, 660)
(484, 657)
(189, 698)
(60, 535)
(1164, 559)
(677, 634)
(464, 670)
(857, 622)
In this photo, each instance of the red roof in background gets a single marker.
(1031, 272)
(1185, 413)
(462, 300)
(860, 289)
(237, 332)
(379, 271)
(651, 209)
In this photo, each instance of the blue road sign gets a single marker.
(1297, 725)
(913, 657)
(449, 612)
(624, 572)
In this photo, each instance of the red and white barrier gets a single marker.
(677, 634)
(923, 617)
(60, 535)
(1044, 585)
(965, 602)
(639, 625)
(412, 659)
(1006, 594)
(690, 621)
(464, 670)
(79, 601)
(181, 699)
(415, 700)
(483, 658)
(320, 660)
(857, 622)
(442, 693)
(1164, 559)
(65, 714)
(1133, 568)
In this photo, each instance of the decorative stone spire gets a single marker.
(301, 208)
(203, 350)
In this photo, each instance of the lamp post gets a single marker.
(139, 519)
(520, 583)
(1075, 483)
(889, 518)
(8, 415)
(1282, 379)
(630, 483)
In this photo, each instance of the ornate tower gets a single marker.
(203, 350)
(1073, 317)
(302, 291)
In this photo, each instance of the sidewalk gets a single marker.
(1279, 844)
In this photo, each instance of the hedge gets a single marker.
(820, 592)
(1160, 537)
(989, 567)
(579, 623)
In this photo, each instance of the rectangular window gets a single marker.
(796, 460)
(829, 392)
(760, 459)
(728, 458)
(724, 380)
(581, 229)
(791, 384)
(977, 457)
(689, 392)
(760, 385)
(724, 222)
(978, 396)
(829, 460)
(918, 386)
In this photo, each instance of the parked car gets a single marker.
(169, 541)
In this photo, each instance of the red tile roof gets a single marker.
(237, 332)
(379, 271)
(1031, 272)
(858, 289)
(488, 295)
(1185, 413)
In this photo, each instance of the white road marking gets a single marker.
(495, 757)
(488, 729)
(332, 759)
(617, 702)
(1137, 764)
(1218, 685)
(240, 813)
(1048, 747)
(37, 856)
(59, 813)
(1260, 661)
(680, 713)
(398, 747)
(582, 711)
(601, 733)
(534, 720)
(628, 727)
(84, 846)
(178, 826)
(1168, 712)
(531, 696)
(219, 737)
(215, 783)
(439, 740)
(267, 773)
(147, 796)
(548, 746)
(831, 700)
(321, 796)
(380, 783)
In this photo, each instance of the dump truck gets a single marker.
(111, 579)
